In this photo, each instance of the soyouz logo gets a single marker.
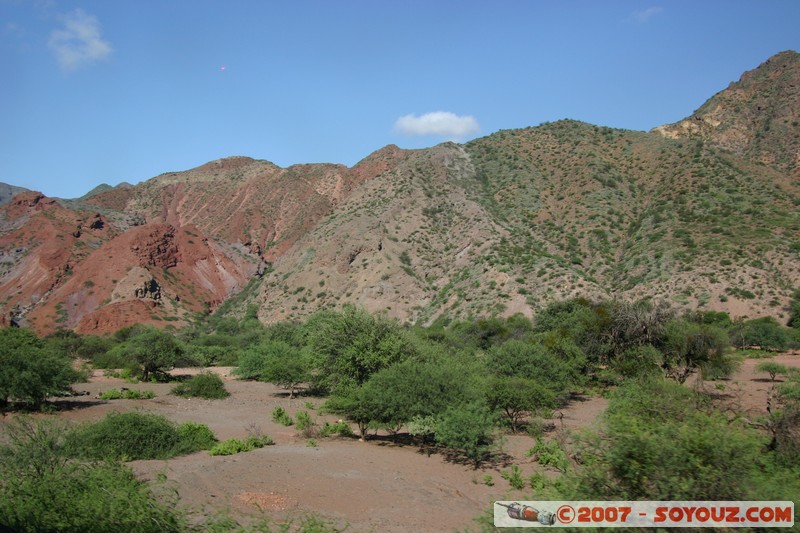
(644, 514)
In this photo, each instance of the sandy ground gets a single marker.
(376, 485)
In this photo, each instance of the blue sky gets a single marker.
(111, 91)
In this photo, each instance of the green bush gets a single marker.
(276, 362)
(110, 360)
(467, 429)
(514, 477)
(215, 355)
(422, 427)
(264, 362)
(234, 446)
(132, 436)
(515, 398)
(206, 385)
(638, 361)
(350, 346)
(31, 370)
(657, 444)
(303, 420)
(690, 347)
(765, 333)
(555, 366)
(395, 395)
(127, 394)
(193, 437)
(655, 401)
(337, 428)
(152, 351)
(91, 347)
(549, 453)
(794, 311)
(280, 416)
(41, 489)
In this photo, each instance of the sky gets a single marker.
(109, 91)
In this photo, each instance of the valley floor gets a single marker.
(376, 485)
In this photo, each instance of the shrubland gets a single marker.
(457, 387)
(44, 487)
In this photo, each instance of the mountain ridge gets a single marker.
(701, 213)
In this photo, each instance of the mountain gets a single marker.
(168, 250)
(701, 213)
(105, 187)
(756, 117)
(65, 268)
(7, 192)
(510, 222)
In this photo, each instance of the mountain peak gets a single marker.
(7, 192)
(755, 117)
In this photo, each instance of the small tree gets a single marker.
(285, 366)
(350, 346)
(772, 368)
(395, 395)
(30, 370)
(276, 362)
(154, 351)
(689, 346)
(766, 333)
(468, 429)
(354, 404)
(794, 312)
(556, 367)
(517, 397)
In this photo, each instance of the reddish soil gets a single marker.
(376, 485)
(747, 391)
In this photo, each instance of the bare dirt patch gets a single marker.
(748, 391)
(378, 485)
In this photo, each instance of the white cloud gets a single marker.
(441, 123)
(646, 14)
(79, 43)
